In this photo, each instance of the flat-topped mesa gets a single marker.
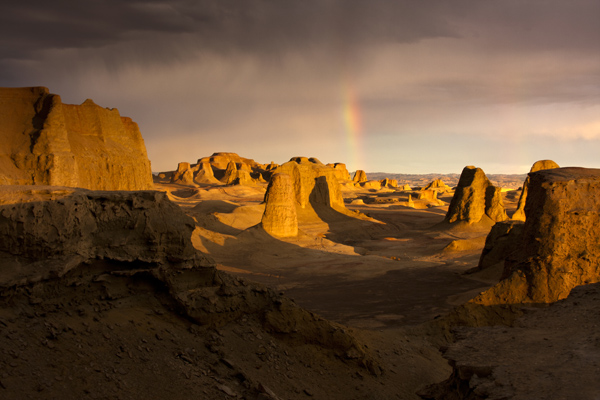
(46, 142)
(221, 160)
(360, 176)
(280, 217)
(519, 214)
(314, 183)
(559, 242)
(476, 199)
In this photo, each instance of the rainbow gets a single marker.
(352, 125)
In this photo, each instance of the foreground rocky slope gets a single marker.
(46, 142)
(550, 353)
(102, 295)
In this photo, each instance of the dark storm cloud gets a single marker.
(252, 25)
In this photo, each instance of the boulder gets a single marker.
(559, 244)
(360, 176)
(389, 183)
(46, 142)
(476, 199)
(280, 217)
(519, 214)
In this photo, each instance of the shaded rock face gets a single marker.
(519, 214)
(46, 142)
(559, 248)
(63, 228)
(475, 199)
(235, 176)
(390, 183)
(280, 217)
(360, 176)
(314, 183)
(503, 241)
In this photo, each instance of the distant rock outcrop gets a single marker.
(476, 199)
(519, 214)
(430, 196)
(360, 176)
(221, 160)
(439, 186)
(183, 174)
(559, 244)
(46, 142)
(389, 183)
(280, 217)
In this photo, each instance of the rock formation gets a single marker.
(221, 160)
(46, 142)
(183, 174)
(51, 231)
(280, 217)
(314, 183)
(439, 186)
(204, 174)
(406, 187)
(359, 176)
(476, 199)
(389, 183)
(558, 248)
(341, 172)
(519, 214)
(503, 242)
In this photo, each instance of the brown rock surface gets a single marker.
(341, 172)
(221, 160)
(46, 142)
(360, 176)
(559, 249)
(438, 185)
(549, 353)
(476, 199)
(503, 241)
(519, 214)
(280, 217)
(183, 174)
(314, 183)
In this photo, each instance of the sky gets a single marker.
(384, 86)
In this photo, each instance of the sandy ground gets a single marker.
(382, 272)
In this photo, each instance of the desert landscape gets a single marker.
(228, 278)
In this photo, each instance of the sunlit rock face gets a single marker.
(341, 172)
(280, 217)
(559, 244)
(439, 186)
(476, 199)
(519, 214)
(46, 142)
(314, 183)
(220, 160)
(360, 176)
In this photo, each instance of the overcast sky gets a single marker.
(386, 86)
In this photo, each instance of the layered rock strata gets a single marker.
(46, 142)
